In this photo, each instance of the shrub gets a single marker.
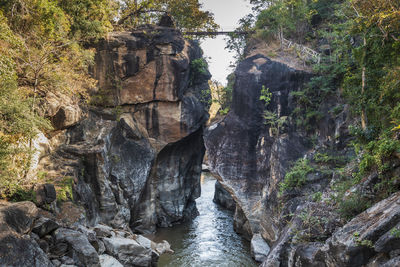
(198, 68)
(377, 155)
(353, 205)
(64, 189)
(325, 158)
(296, 177)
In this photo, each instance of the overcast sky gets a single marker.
(227, 14)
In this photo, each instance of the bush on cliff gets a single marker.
(296, 177)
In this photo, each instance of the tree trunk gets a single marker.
(364, 119)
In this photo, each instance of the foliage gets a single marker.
(290, 18)
(40, 52)
(89, 19)
(296, 177)
(271, 118)
(188, 14)
(265, 96)
(199, 66)
(18, 123)
(364, 242)
(395, 232)
(64, 189)
(222, 95)
(237, 43)
(325, 158)
(377, 154)
(312, 227)
(317, 196)
(353, 205)
(198, 70)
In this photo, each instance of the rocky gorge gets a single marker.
(130, 162)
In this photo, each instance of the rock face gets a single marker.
(239, 148)
(251, 155)
(223, 198)
(135, 160)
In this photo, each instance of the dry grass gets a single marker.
(274, 51)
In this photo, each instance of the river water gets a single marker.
(209, 240)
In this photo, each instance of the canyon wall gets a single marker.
(141, 145)
(250, 152)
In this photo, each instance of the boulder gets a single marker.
(44, 226)
(102, 230)
(17, 250)
(17, 217)
(45, 194)
(79, 247)
(259, 248)
(128, 251)
(162, 247)
(108, 261)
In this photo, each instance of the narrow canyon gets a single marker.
(141, 177)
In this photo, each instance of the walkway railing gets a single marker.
(305, 51)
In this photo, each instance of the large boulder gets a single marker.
(259, 248)
(63, 111)
(79, 247)
(129, 252)
(44, 226)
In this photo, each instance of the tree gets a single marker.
(89, 19)
(238, 42)
(186, 13)
(369, 86)
(383, 14)
(18, 123)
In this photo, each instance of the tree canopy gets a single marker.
(188, 14)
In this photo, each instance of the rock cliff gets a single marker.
(140, 148)
(134, 155)
(257, 144)
(240, 149)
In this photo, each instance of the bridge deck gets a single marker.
(219, 33)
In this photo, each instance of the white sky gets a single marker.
(227, 14)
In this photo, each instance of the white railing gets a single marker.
(306, 52)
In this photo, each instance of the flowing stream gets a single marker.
(209, 240)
